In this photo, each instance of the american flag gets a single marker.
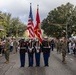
(30, 26)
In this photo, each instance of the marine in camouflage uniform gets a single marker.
(58, 46)
(7, 50)
(64, 48)
(15, 46)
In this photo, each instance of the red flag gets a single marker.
(30, 26)
(37, 28)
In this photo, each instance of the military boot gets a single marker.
(64, 62)
(6, 62)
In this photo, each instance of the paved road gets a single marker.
(56, 67)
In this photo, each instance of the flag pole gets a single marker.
(30, 25)
(37, 6)
(30, 3)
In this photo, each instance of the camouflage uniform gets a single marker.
(58, 46)
(7, 51)
(15, 46)
(64, 47)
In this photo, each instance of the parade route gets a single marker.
(56, 67)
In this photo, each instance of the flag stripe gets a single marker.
(37, 29)
(30, 25)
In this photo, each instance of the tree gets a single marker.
(17, 28)
(57, 19)
(7, 25)
(12, 26)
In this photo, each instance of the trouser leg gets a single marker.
(22, 59)
(46, 57)
(37, 58)
(30, 56)
(7, 56)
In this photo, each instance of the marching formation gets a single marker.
(35, 49)
(33, 46)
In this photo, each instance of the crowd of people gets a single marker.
(71, 46)
(34, 47)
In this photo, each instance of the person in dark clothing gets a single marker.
(46, 51)
(30, 52)
(37, 47)
(52, 44)
(23, 50)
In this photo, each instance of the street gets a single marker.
(56, 67)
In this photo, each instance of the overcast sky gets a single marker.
(20, 8)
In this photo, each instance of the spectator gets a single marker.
(0, 47)
(70, 47)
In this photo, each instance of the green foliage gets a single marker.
(57, 19)
(12, 26)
